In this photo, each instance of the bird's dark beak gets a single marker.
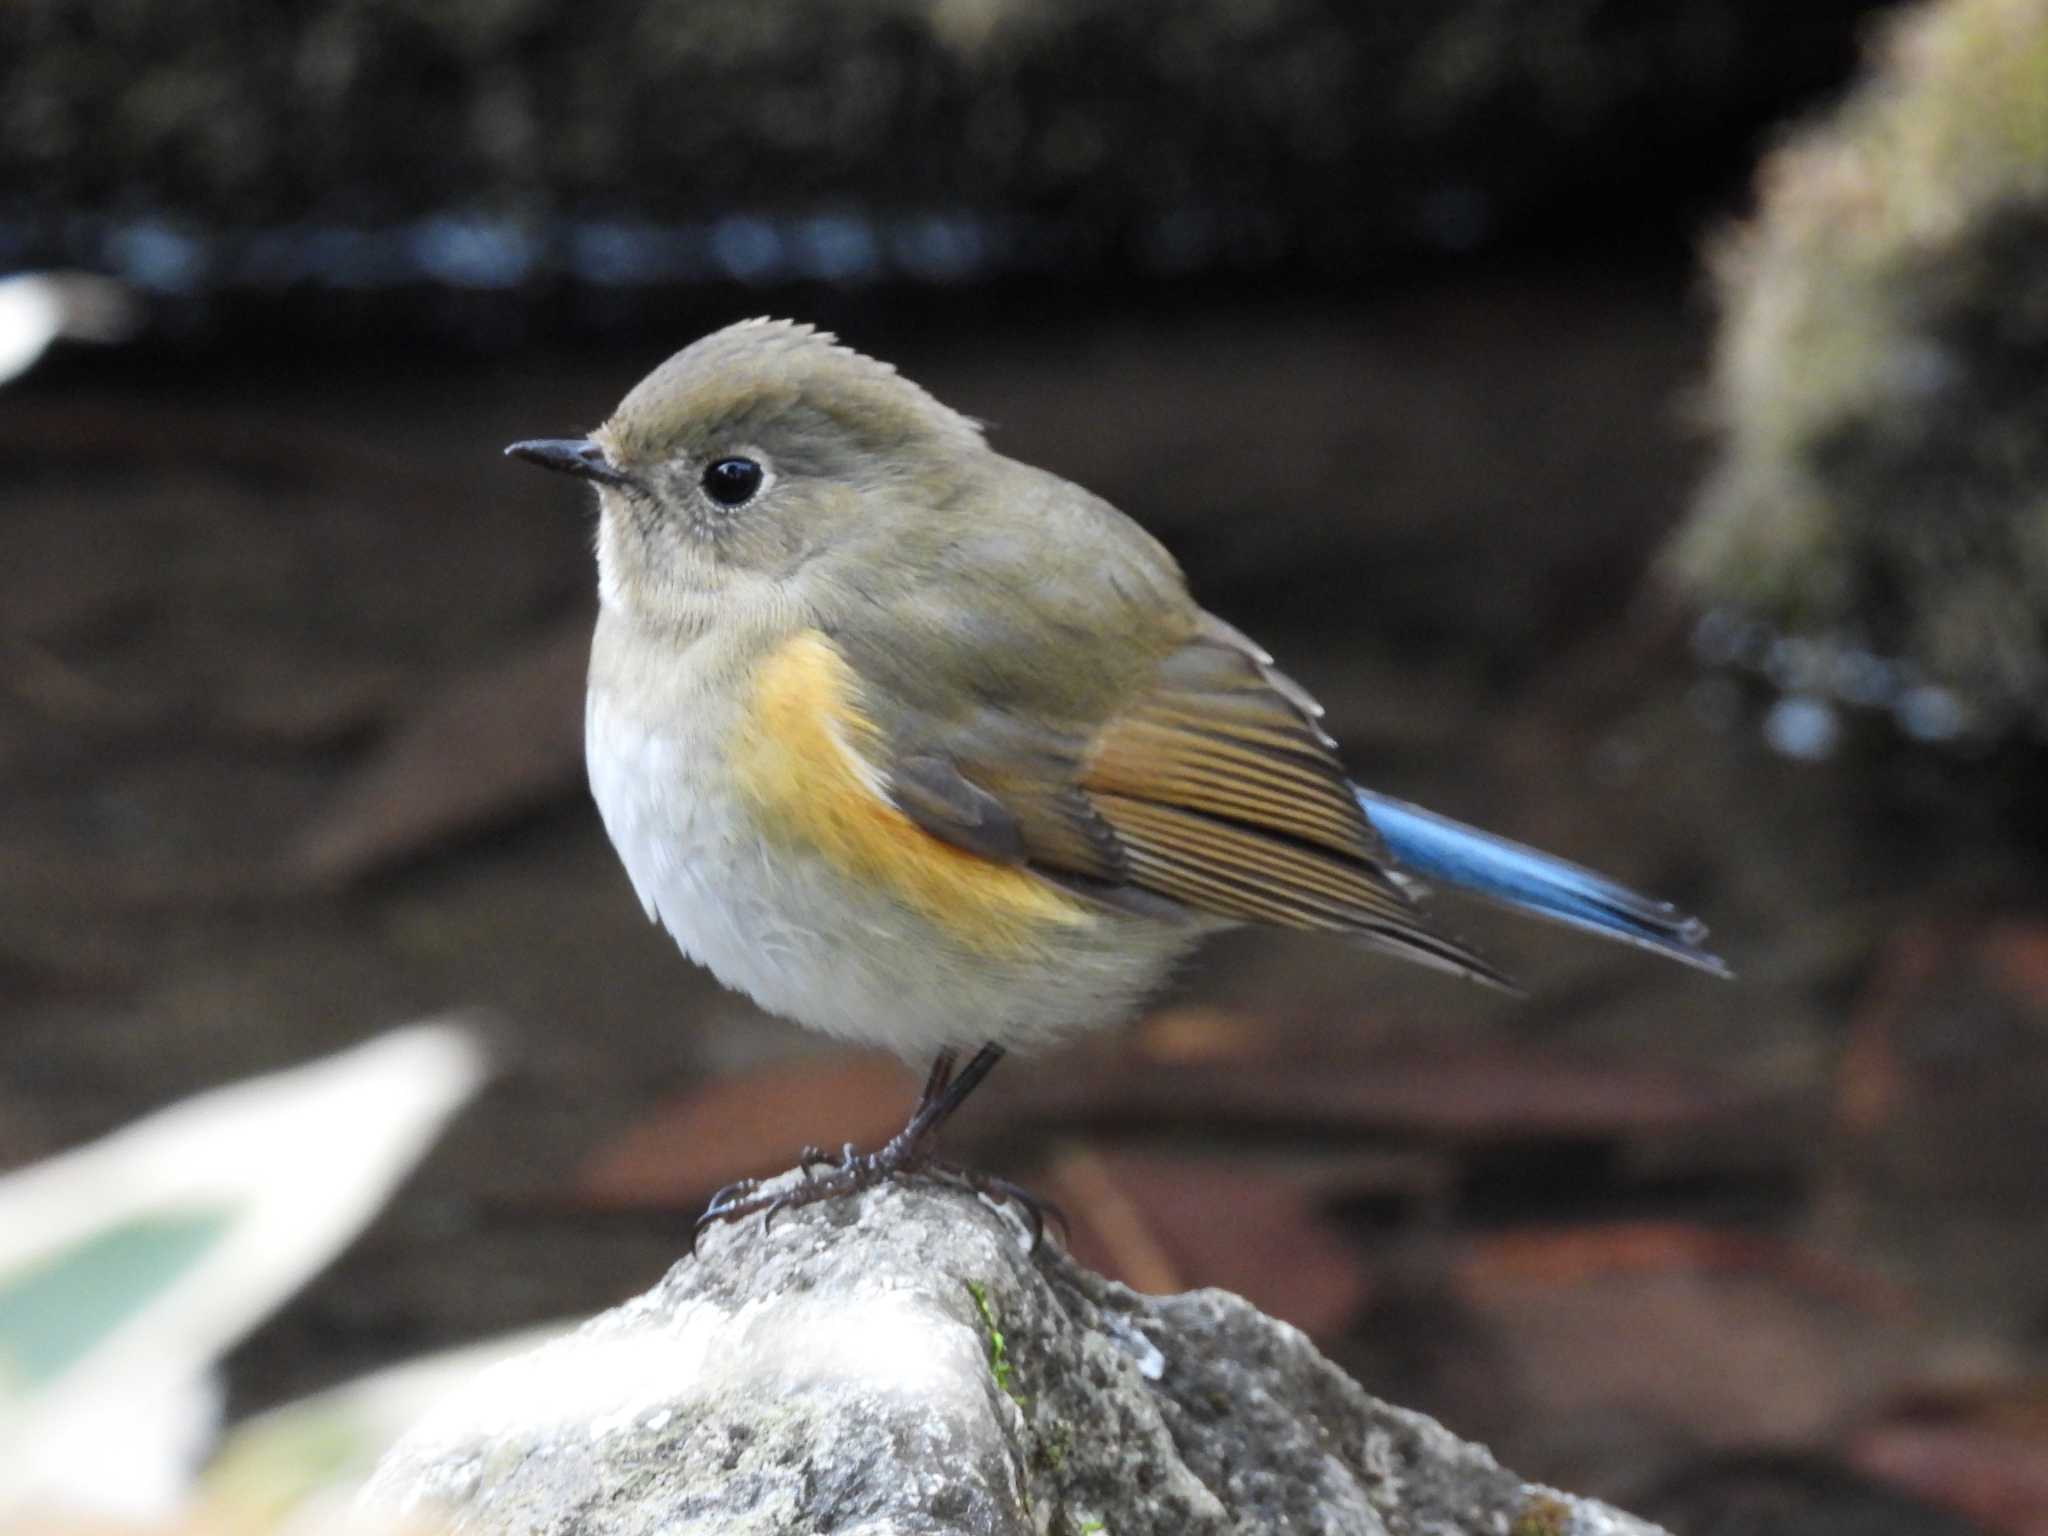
(577, 456)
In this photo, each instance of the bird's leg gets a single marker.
(943, 1094)
(941, 1074)
(906, 1153)
(813, 1155)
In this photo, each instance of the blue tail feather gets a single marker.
(1515, 875)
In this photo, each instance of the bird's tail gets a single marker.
(1514, 875)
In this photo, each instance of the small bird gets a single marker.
(923, 747)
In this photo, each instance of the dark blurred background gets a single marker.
(1391, 320)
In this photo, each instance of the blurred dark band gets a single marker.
(633, 151)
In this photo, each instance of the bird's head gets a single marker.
(763, 464)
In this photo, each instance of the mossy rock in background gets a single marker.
(1876, 527)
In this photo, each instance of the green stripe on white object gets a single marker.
(130, 1266)
(53, 1310)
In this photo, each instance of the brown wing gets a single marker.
(1228, 796)
(1212, 790)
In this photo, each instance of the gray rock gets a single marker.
(899, 1363)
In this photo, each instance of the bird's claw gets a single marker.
(903, 1157)
(738, 1189)
(988, 1186)
(815, 1156)
(730, 1203)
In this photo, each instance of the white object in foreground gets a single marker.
(128, 1267)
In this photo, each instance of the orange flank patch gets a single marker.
(805, 755)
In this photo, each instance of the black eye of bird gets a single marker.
(731, 482)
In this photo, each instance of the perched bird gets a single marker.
(923, 747)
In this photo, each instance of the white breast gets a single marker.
(795, 934)
(686, 845)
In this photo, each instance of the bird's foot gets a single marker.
(1001, 1191)
(851, 1171)
(742, 1197)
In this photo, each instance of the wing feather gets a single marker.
(1150, 759)
(1216, 735)
(1174, 771)
(1238, 865)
